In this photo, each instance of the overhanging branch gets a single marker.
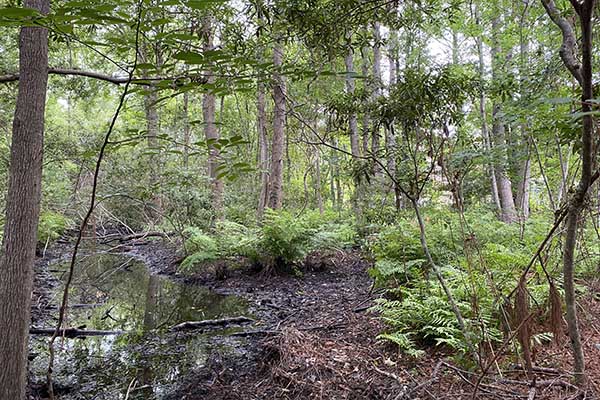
(568, 52)
(117, 80)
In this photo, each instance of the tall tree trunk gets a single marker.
(390, 138)
(23, 207)
(376, 90)
(149, 54)
(577, 201)
(152, 119)
(353, 124)
(186, 130)
(210, 128)
(583, 73)
(524, 178)
(350, 89)
(275, 197)
(508, 209)
(366, 119)
(263, 148)
(483, 115)
(318, 182)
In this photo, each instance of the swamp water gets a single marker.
(117, 293)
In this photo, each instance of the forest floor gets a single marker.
(315, 338)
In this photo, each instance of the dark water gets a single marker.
(114, 292)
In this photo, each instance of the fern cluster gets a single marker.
(480, 267)
(282, 241)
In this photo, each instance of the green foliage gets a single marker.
(51, 226)
(416, 308)
(282, 241)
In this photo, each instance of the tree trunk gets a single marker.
(23, 207)
(186, 130)
(210, 128)
(390, 138)
(577, 201)
(318, 182)
(483, 114)
(353, 124)
(524, 178)
(152, 119)
(275, 197)
(263, 148)
(376, 90)
(366, 119)
(582, 72)
(507, 203)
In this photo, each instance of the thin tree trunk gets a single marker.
(318, 182)
(210, 128)
(582, 72)
(366, 119)
(577, 201)
(263, 148)
(483, 114)
(377, 86)
(508, 209)
(564, 171)
(353, 124)
(149, 54)
(186, 130)
(23, 207)
(275, 197)
(524, 178)
(390, 138)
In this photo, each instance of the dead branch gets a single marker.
(190, 325)
(116, 80)
(72, 333)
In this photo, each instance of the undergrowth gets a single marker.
(281, 242)
(481, 260)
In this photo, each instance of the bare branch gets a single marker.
(568, 48)
(117, 80)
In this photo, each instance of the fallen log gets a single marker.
(133, 236)
(72, 333)
(190, 325)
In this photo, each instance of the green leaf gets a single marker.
(17, 12)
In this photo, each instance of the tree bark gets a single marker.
(576, 204)
(376, 90)
(275, 198)
(263, 148)
(366, 118)
(524, 178)
(210, 128)
(152, 122)
(505, 193)
(318, 182)
(186, 130)
(584, 75)
(390, 139)
(23, 207)
(353, 124)
(483, 115)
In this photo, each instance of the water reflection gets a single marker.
(149, 360)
